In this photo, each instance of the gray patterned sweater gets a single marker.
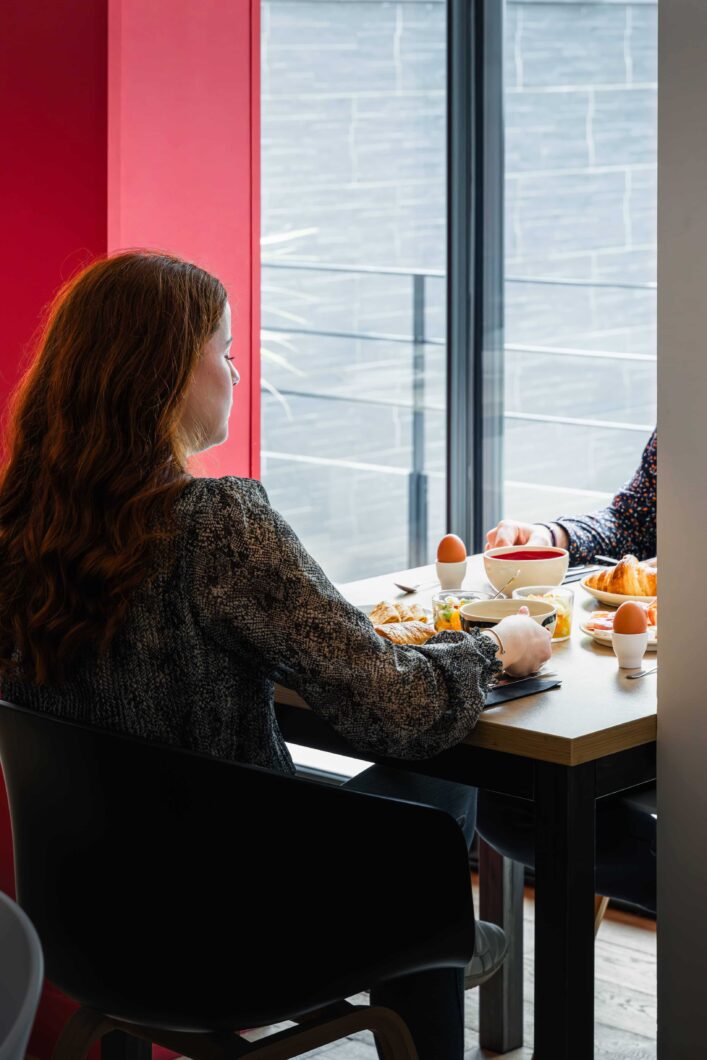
(236, 603)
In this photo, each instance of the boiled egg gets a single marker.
(451, 549)
(631, 618)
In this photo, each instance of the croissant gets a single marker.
(413, 613)
(628, 577)
(406, 632)
(383, 613)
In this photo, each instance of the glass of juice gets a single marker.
(446, 604)
(562, 596)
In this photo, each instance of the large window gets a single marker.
(354, 258)
(580, 262)
(354, 426)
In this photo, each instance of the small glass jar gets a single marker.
(446, 604)
(562, 596)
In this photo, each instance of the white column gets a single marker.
(682, 529)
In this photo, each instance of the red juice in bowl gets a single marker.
(527, 554)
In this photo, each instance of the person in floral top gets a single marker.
(626, 824)
(627, 526)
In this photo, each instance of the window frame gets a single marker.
(475, 267)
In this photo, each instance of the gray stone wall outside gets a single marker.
(353, 163)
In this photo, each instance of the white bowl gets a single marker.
(485, 614)
(550, 571)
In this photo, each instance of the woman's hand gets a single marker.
(511, 532)
(526, 644)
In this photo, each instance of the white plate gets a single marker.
(611, 598)
(603, 636)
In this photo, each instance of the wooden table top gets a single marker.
(596, 711)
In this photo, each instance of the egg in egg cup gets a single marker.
(451, 562)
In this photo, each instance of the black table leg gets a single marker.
(119, 1046)
(564, 911)
(501, 999)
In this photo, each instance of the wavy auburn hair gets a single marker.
(94, 454)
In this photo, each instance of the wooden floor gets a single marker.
(625, 1009)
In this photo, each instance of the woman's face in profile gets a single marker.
(210, 396)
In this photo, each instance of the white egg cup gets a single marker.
(629, 649)
(451, 575)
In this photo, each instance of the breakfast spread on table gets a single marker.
(455, 609)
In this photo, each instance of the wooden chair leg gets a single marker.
(79, 1034)
(391, 1033)
(600, 905)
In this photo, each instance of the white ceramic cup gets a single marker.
(629, 649)
(451, 575)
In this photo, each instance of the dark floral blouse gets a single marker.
(627, 525)
(236, 604)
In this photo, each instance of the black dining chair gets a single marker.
(181, 899)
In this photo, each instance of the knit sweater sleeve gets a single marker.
(258, 593)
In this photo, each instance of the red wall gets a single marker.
(53, 190)
(53, 123)
(184, 156)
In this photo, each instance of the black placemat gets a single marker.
(517, 689)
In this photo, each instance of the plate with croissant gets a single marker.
(401, 623)
(628, 580)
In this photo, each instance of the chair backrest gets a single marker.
(219, 891)
(21, 974)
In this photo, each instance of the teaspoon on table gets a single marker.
(412, 588)
(643, 673)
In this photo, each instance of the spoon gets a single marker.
(504, 587)
(412, 588)
(643, 673)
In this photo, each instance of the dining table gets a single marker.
(562, 750)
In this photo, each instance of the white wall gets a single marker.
(682, 529)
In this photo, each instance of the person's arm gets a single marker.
(626, 526)
(260, 595)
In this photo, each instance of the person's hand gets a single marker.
(510, 532)
(527, 644)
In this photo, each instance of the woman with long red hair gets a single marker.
(136, 597)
